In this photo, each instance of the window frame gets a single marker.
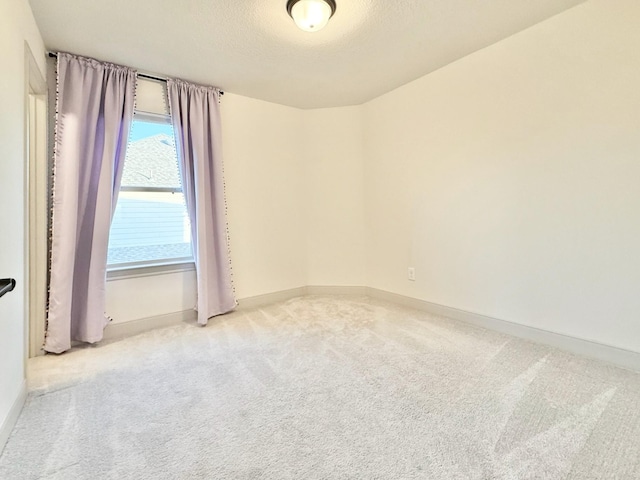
(159, 266)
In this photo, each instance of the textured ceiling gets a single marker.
(253, 48)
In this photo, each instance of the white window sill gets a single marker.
(117, 272)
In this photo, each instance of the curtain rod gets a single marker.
(143, 75)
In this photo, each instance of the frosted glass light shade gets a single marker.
(311, 15)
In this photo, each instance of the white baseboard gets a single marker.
(606, 353)
(12, 416)
(115, 331)
(267, 298)
(334, 290)
(284, 295)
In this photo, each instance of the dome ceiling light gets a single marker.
(311, 15)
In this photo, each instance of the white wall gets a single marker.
(265, 186)
(507, 179)
(264, 173)
(135, 298)
(17, 26)
(295, 196)
(333, 156)
(511, 179)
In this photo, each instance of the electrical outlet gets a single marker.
(412, 274)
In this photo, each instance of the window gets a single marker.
(150, 224)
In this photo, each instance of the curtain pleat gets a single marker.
(196, 121)
(94, 114)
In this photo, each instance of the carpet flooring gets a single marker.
(325, 387)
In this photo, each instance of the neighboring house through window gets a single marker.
(150, 225)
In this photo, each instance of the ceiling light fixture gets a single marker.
(311, 15)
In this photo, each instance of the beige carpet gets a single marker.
(326, 388)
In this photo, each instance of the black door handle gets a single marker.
(6, 285)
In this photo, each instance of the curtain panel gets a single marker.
(195, 113)
(94, 113)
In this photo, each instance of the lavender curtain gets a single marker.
(196, 121)
(94, 114)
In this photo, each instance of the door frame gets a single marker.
(36, 205)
